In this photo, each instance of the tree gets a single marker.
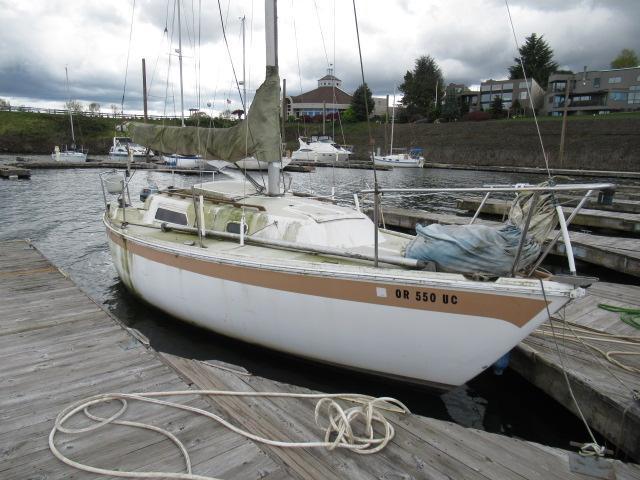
(358, 105)
(74, 106)
(94, 107)
(451, 108)
(421, 87)
(537, 58)
(625, 59)
(4, 103)
(348, 116)
(114, 109)
(497, 108)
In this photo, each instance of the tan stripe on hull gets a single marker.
(512, 309)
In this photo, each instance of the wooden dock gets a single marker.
(586, 217)
(607, 402)
(619, 254)
(7, 171)
(58, 346)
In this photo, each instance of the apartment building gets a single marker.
(594, 91)
(509, 91)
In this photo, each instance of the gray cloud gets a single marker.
(471, 40)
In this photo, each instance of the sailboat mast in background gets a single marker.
(179, 51)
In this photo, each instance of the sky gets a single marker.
(102, 44)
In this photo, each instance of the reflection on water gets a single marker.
(60, 211)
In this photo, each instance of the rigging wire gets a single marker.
(126, 70)
(524, 73)
(224, 36)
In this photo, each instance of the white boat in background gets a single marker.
(403, 158)
(321, 280)
(121, 147)
(69, 154)
(253, 164)
(320, 148)
(183, 161)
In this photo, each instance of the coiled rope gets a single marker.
(339, 425)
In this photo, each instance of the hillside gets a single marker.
(600, 142)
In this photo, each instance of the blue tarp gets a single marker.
(472, 248)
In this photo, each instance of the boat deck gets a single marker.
(57, 346)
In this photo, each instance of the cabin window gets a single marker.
(166, 215)
(234, 227)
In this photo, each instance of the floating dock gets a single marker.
(586, 217)
(619, 254)
(608, 394)
(7, 171)
(57, 346)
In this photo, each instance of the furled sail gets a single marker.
(257, 135)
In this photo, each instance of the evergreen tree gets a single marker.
(537, 58)
(358, 105)
(497, 108)
(625, 59)
(420, 87)
(451, 108)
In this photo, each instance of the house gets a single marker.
(594, 91)
(327, 99)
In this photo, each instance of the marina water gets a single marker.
(60, 212)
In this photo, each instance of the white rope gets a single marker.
(339, 424)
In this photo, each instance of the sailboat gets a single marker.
(72, 154)
(400, 157)
(312, 278)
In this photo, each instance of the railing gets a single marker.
(587, 188)
(86, 113)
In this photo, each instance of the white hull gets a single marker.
(253, 164)
(374, 332)
(399, 161)
(182, 162)
(319, 156)
(120, 155)
(69, 157)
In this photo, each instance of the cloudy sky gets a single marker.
(470, 39)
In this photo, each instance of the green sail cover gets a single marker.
(258, 135)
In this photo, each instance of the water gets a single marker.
(60, 211)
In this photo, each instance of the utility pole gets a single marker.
(144, 89)
(284, 106)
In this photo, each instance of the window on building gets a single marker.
(496, 87)
(485, 88)
(596, 82)
(506, 97)
(618, 96)
(486, 97)
(507, 86)
(615, 80)
(634, 94)
(522, 85)
(523, 95)
(559, 86)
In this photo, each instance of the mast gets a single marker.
(73, 137)
(393, 119)
(180, 62)
(244, 64)
(271, 33)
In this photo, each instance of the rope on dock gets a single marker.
(338, 425)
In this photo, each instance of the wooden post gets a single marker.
(144, 89)
(564, 124)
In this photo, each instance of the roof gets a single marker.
(323, 94)
(329, 77)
